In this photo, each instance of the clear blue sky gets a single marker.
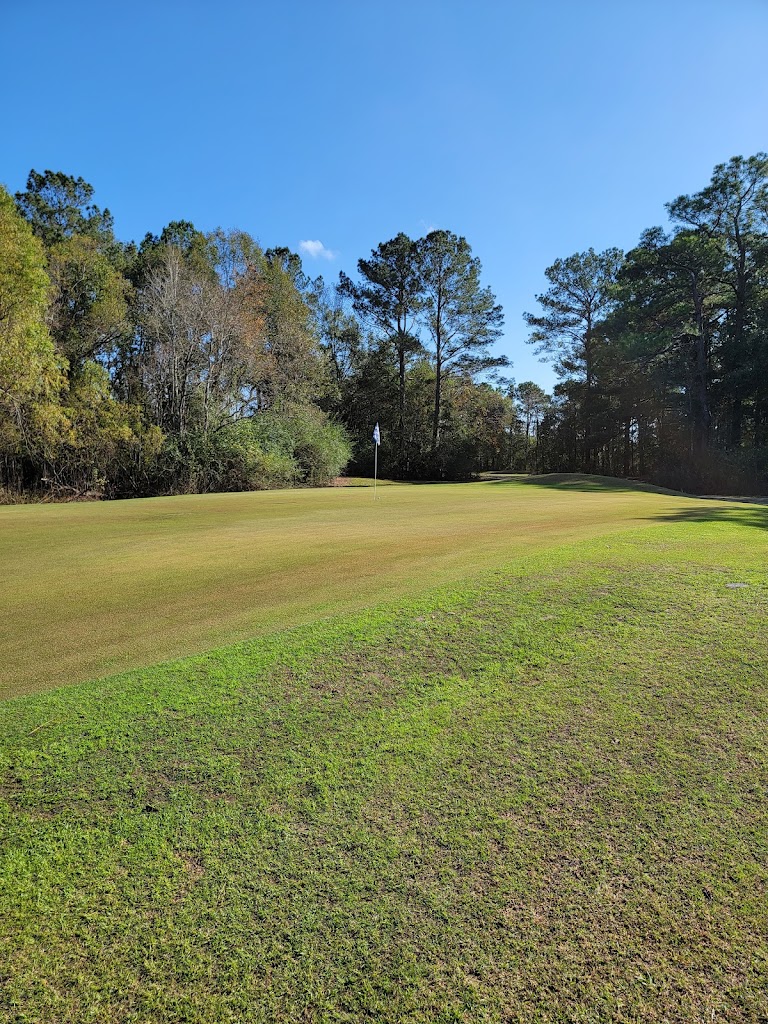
(536, 129)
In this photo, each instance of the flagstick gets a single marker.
(375, 468)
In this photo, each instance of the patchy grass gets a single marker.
(92, 589)
(535, 796)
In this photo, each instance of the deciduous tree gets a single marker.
(31, 374)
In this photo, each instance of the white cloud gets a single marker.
(317, 250)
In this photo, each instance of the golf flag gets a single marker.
(376, 442)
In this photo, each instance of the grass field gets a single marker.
(523, 780)
(95, 588)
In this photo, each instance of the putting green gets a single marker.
(92, 589)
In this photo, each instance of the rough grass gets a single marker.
(95, 588)
(536, 796)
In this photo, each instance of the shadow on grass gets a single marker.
(583, 482)
(746, 515)
(743, 511)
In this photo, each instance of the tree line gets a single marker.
(199, 361)
(663, 351)
(196, 361)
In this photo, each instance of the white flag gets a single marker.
(376, 435)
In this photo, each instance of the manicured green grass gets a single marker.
(91, 589)
(536, 795)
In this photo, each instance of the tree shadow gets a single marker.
(586, 482)
(741, 514)
(709, 508)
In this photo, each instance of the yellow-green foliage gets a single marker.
(89, 309)
(30, 372)
(102, 435)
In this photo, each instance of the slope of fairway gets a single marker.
(89, 589)
(539, 797)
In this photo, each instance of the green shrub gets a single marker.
(299, 445)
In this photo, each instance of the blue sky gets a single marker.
(536, 129)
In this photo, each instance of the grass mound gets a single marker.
(539, 796)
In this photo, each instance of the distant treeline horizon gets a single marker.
(196, 361)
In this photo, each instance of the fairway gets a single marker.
(384, 571)
(535, 794)
(90, 589)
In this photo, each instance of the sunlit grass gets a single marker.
(89, 589)
(534, 796)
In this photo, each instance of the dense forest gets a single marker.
(197, 362)
(663, 350)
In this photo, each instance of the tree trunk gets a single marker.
(640, 448)
(438, 401)
(401, 409)
(703, 417)
(737, 420)
(738, 355)
(627, 446)
(589, 370)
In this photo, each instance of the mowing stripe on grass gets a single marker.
(93, 589)
(535, 796)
